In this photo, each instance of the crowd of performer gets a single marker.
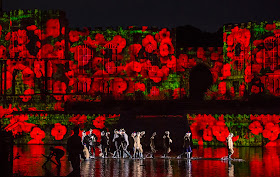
(84, 147)
(120, 142)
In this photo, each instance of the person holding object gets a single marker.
(57, 153)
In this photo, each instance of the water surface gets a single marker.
(258, 162)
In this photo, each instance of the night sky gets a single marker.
(206, 15)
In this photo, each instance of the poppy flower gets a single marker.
(60, 49)
(119, 42)
(270, 27)
(271, 131)
(200, 53)
(18, 124)
(134, 49)
(37, 133)
(171, 63)
(46, 52)
(226, 70)
(100, 38)
(28, 77)
(53, 28)
(22, 37)
(155, 74)
(99, 122)
(118, 85)
(256, 127)
(3, 52)
(39, 68)
(90, 42)
(255, 89)
(149, 43)
(140, 86)
(78, 119)
(74, 36)
(222, 88)
(58, 131)
(215, 56)
(163, 34)
(27, 95)
(166, 47)
(133, 68)
(221, 132)
(207, 134)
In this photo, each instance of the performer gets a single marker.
(90, 141)
(85, 154)
(138, 150)
(187, 145)
(152, 145)
(133, 135)
(74, 148)
(124, 143)
(104, 143)
(58, 153)
(166, 143)
(83, 135)
(230, 145)
(108, 143)
(117, 141)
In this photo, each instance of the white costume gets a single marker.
(137, 144)
(230, 145)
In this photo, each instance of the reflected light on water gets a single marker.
(28, 161)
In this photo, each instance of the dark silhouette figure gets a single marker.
(57, 153)
(200, 80)
(75, 148)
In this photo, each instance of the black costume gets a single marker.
(104, 145)
(90, 142)
(75, 148)
(166, 144)
(58, 153)
(187, 145)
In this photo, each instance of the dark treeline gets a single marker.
(189, 36)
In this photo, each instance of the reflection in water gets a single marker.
(28, 161)
(230, 169)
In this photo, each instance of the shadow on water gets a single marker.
(258, 162)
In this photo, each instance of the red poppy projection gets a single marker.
(130, 64)
(52, 128)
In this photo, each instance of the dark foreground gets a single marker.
(258, 162)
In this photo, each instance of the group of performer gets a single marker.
(121, 143)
